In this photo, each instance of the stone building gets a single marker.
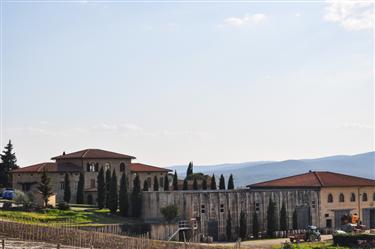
(308, 195)
(88, 162)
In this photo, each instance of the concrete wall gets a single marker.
(208, 206)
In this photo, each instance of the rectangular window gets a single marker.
(161, 182)
(221, 208)
(256, 206)
(62, 185)
(329, 223)
(203, 209)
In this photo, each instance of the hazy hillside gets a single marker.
(251, 172)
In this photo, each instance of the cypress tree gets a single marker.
(136, 197)
(255, 225)
(283, 218)
(156, 183)
(101, 189)
(80, 188)
(271, 218)
(175, 181)
(195, 184)
(113, 194)
(8, 163)
(166, 183)
(230, 182)
(107, 186)
(186, 185)
(44, 187)
(204, 183)
(243, 226)
(229, 227)
(213, 183)
(222, 182)
(67, 188)
(189, 170)
(145, 185)
(295, 220)
(123, 196)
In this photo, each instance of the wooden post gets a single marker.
(58, 246)
(3, 244)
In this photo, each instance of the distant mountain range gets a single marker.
(250, 172)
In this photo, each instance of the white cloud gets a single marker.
(352, 15)
(245, 20)
(356, 126)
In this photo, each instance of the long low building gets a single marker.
(315, 198)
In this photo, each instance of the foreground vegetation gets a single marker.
(310, 245)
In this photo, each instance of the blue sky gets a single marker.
(175, 82)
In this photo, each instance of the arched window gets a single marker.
(107, 166)
(352, 197)
(122, 167)
(330, 198)
(341, 198)
(364, 197)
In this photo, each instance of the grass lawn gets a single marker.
(311, 245)
(74, 216)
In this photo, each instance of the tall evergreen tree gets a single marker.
(156, 183)
(189, 170)
(229, 227)
(67, 193)
(80, 188)
(213, 183)
(101, 189)
(145, 185)
(255, 225)
(108, 179)
(230, 182)
(44, 187)
(175, 181)
(295, 220)
(123, 196)
(136, 197)
(222, 182)
(8, 163)
(271, 218)
(243, 226)
(113, 194)
(195, 184)
(166, 183)
(186, 184)
(204, 183)
(283, 218)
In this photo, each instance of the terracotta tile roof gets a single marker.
(315, 179)
(140, 167)
(93, 154)
(50, 167)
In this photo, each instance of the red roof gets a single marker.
(140, 167)
(315, 179)
(93, 154)
(50, 167)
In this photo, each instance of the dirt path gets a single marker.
(20, 244)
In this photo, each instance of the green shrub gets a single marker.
(63, 206)
(169, 212)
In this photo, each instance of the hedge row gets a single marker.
(354, 240)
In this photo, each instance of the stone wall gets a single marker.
(212, 208)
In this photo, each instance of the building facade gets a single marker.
(88, 162)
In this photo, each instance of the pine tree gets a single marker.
(175, 181)
(271, 218)
(230, 182)
(166, 183)
(113, 194)
(255, 225)
(295, 220)
(186, 184)
(222, 182)
(108, 179)
(145, 185)
(136, 197)
(44, 187)
(8, 163)
(67, 193)
(80, 188)
(189, 170)
(123, 196)
(213, 183)
(195, 184)
(229, 227)
(156, 183)
(204, 183)
(101, 189)
(283, 218)
(243, 226)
